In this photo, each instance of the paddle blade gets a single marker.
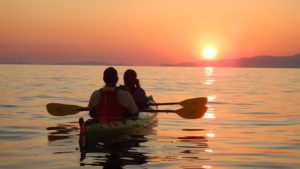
(193, 112)
(57, 109)
(199, 101)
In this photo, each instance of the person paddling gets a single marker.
(110, 103)
(132, 84)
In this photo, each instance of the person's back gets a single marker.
(109, 103)
(132, 84)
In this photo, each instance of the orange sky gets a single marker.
(145, 32)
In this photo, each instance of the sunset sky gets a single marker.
(140, 32)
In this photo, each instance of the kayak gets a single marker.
(113, 133)
(129, 126)
(93, 131)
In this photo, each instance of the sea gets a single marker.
(252, 121)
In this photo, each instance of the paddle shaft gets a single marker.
(166, 111)
(184, 103)
(152, 104)
(83, 109)
(149, 110)
(160, 104)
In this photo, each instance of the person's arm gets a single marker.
(137, 84)
(94, 99)
(141, 98)
(131, 106)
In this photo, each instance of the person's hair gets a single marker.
(110, 75)
(129, 77)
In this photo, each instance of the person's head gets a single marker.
(110, 76)
(130, 77)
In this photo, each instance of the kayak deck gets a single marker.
(118, 127)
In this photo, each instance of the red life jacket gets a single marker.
(109, 108)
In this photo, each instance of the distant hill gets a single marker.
(258, 61)
(94, 63)
(71, 63)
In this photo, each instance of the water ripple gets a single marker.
(13, 133)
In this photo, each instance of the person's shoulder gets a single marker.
(122, 87)
(123, 92)
(96, 92)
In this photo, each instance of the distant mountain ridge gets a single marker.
(71, 63)
(258, 62)
(95, 63)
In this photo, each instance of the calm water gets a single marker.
(253, 120)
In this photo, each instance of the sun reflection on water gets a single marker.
(210, 113)
(209, 116)
(208, 73)
(209, 150)
(211, 98)
(210, 135)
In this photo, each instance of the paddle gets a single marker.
(199, 101)
(58, 109)
(193, 112)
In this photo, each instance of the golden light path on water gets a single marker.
(209, 80)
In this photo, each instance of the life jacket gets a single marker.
(109, 108)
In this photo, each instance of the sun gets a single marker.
(209, 53)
